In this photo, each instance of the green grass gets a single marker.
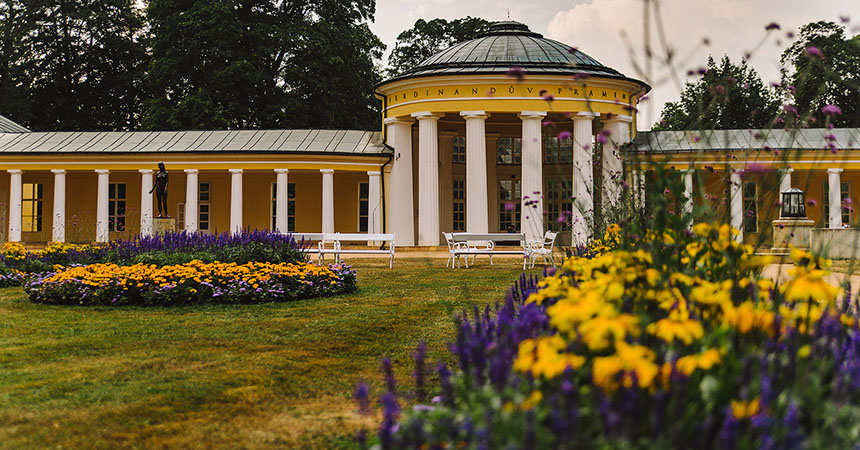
(248, 376)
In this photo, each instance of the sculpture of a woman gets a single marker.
(160, 188)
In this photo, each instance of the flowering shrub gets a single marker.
(677, 343)
(173, 248)
(189, 283)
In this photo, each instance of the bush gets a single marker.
(190, 283)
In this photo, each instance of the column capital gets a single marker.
(145, 171)
(584, 115)
(482, 115)
(534, 115)
(190, 171)
(688, 170)
(426, 115)
(374, 173)
(834, 170)
(15, 171)
(617, 118)
(326, 171)
(282, 170)
(393, 120)
(236, 170)
(102, 171)
(786, 170)
(58, 171)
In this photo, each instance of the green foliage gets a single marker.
(262, 64)
(426, 38)
(72, 64)
(727, 96)
(826, 70)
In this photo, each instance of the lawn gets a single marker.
(250, 376)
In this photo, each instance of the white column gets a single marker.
(15, 205)
(327, 200)
(236, 200)
(688, 193)
(638, 195)
(402, 208)
(282, 200)
(374, 208)
(428, 179)
(145, 202)
(531, 216)
(736, 204)
(59, 229)
(785, 181)
(611, 166)
(191, 198)
(102, 234)
(834, 197)
(583, 179)
(477, 209)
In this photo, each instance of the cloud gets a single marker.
(612, 31)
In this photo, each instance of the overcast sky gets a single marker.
(733, 27)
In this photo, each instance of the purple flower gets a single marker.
(562, 135)
(517, 72)
(362, 396)
(772, 26)
(814, 51)
(831, 110)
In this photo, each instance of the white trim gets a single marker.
(557, 99)
(196, 163)
(834, 170)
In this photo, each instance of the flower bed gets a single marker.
(190, 283)
(169, 249)
(681, 345)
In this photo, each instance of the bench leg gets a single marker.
(491, 260)
(552, 259)
(449, 259)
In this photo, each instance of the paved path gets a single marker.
(779, 273)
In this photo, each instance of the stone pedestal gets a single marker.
(796, 232)
(163, 225)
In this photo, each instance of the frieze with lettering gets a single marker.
(509, 91)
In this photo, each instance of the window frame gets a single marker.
(113, 203)
(36, 199)
(458, 156)
(458, 199)
(750, 224)
(291, 206)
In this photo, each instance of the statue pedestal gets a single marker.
(163, 225)
(796, 232)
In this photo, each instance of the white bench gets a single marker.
(473, 244)
(337, 240)
(307, 238)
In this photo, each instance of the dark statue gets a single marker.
(160, 188)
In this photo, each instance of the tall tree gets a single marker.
(262, 63)
(426, 38)
(727, 96)
(826, 71)
(72, 64)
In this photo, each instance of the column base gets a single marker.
(163, 225)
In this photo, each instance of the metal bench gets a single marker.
(337, 240)
(306, 239)
(473, 244)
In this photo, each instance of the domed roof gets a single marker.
(506, 45)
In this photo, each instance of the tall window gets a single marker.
(204, 206)
(116, 207)
(180, 216)
(509, 205)
(558, 203)
(459, 204)
(363, 195)
(844, 192)
(558, 151)
(291, 206)
(509, 150)
(750, 207)
(31, 204)
(458, 149)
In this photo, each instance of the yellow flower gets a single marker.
(745, 410)
(803, 352)
(533, 400)
(676, 327)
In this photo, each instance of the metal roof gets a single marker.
(725, 140)
(7, 126)
(511, 44)
(237, 141)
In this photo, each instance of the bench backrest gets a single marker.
(495, 237)
(328, 237)
(308, 236)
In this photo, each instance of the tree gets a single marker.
(727, 96)
(826, 70)
(425, 39)
(262, 64)
(72, 64)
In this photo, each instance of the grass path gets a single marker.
(247, 376)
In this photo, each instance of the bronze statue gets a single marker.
(160, 188)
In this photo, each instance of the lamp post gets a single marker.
(793, 204)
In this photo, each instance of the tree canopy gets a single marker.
(726, 96)
(825, 70)
(427, 38)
